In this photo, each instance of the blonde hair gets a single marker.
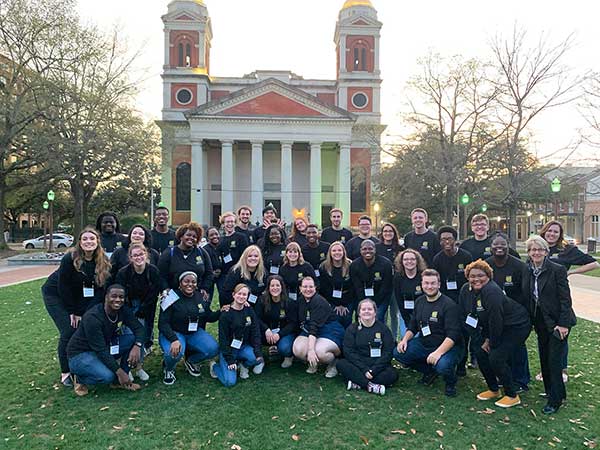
(537, 240)
(227, 214)
(293, 245)
(138, 246)
(242, 265)
(421, 264)
(102, 271)
(328, 263)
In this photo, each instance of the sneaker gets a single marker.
(191, 368)
(244, 373)
(130, 375)
(508, 402)
(142, 374)
(428, 378)
(273, 351)
(550, 409)
(211, 369)
(257, 369)
(450, 390)
(539, 377)
(311, 369)
(488, 395)
(376, 388)
(79, 389)
(565, 377)
(287, 362)
(543, 395)
(473, 365)
(521, 389)
(331, 371)
(352, 386)
(169, 377)
(67, 381)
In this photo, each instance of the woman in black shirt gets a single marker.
(298, 233)
(294, 268)
(138, 234)
(408, 265)
(368, 349)
(273, 249)
(335, 283)
(183, 317)
(213, 238)
(250, 271)
(231, 245)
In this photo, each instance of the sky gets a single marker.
(297, 35)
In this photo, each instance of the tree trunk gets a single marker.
(449, 204)
(512, 224)
(79, 208)
(3, 243)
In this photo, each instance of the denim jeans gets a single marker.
(90, 370)
(125, 330)
(200, 345)
(394, 313)
(285, 345)
(416, 357)
(519, 364)
(244, 355)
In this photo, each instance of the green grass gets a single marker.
(266, 411)
(593, 273)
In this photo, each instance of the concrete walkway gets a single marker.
(11, 275)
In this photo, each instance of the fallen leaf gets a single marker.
(118, 427)
(533, 413)
(365, 440)
(440, 433)
(236, 447)
(274, 417)
(555, 439)
(104, 408)
(413, 431)
(296, 437)
(398, 432)
(473, 447)
(292, 426)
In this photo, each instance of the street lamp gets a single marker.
(555, 188)
(484, 208)
(376, 209)
(45, 205)
(50, 197)
(464, 200)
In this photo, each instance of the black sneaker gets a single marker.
(169, 377)
(550, 409)
(450, 390)
(428, 378)
(191, 368)
(521, 389)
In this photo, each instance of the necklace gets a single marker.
(109, 319)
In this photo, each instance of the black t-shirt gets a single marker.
(353, 246)
(239, 325)
(162, 241)
(387, 251)
(406, 291)
(452, 271)
(248, 233)
(143, 286)
(443, 318)
(233, 278)
(185, 316)
(110, 242)
(569, 256)
(427, 244)
(273, 258)
(360, 341)
(230, 250)
(510, 277)
(292, 277)
(278, 317)
(314, 314)
(483, 249)
(331, 235)
(337, 284)
(173, 262)
(376, 277)
(120, 258)
(315, 255)
(74, 287)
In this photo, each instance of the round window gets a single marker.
(360, 100)
(184, 96)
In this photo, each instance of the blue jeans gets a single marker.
(90, 370)
(201, 345)
(416, 357)
(285, 344)
(125, 330)
(244, 355)
(519, 364)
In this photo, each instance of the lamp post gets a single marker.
(555, 187)
(484, 208)
(376, 209)
(45, 205)
(464, 200)
(50, 197)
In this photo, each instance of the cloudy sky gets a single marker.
(297, 35)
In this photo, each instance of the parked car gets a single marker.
(59, 240)
(570, 240)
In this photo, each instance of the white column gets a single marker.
(166, 184)
(286, 182)
(343, 53)
(344, 182)
(256, 180)
(198, 197)
(315, 183)
(226, 176)
(206, 212)
(167, 46)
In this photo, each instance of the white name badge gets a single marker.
(252, 298)
(472, 321)
(193, 326)
(337, 294)
(317, 273)
(426, 331)
(108, 254)
(227, 258)
(236, 343)
(274, 270)
(451, 285)
(409, 304)
(88, 292)
(275, 330)
(114, 349)
(375, 353)
(171, 298)
(369, 292)
(293, 296)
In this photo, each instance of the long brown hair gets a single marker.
(328, 263)
(267, 300)
(102, 271)
(560, 243)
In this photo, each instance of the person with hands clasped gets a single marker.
(368, 348)
(98, 345)
(294, 268)
(431, 344)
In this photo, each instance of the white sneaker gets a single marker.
(287, 362)
(352, 386)
(376, 388)
(244, 374)
(211, 369)
(130, 375)
(257, 369)
(331, 371)
(311, 369)
(142, 374)
(565, 377)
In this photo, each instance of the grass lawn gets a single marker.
(277, 410)
(593, 273)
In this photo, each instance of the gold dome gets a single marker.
(351, 3)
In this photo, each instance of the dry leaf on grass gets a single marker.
(365, 440)
(236, 447)
(104, 408)
(440, 433)
(398, 432)
(295, 437)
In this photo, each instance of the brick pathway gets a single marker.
(10, 275)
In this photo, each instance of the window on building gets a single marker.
(180, 56)
(595, 231)
(360, 57)
(188, 55)
(358, 196)
(184, 96)
(183, 190)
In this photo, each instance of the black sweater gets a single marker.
(173, 262)
(427, 244)
(111, 242)
(452, 270)
(120, 258)
(387, 251)
(95, 334)
(377, 276)
(510, 277)
(482, 249)
(569, 256)
(407, 290)
(234, 277)
(315, 255)
(248, 233)
(241, 325)
(144, 287)
(358, 342)
(273, 257)
(353, 246)
(337, 282)
(215, 260)
(277, 317)
(330, 235)
(178, 316)
(230, 250)
(443, 318)
(314, 314)
(162, 241)
(292, 277)
(71, 284)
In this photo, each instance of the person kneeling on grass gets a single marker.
(98, 344)
(431, 343)
(368, 348)
(321, 335)
(239, 340)
(183, 317)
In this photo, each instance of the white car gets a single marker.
(570, 239)
(59, 240)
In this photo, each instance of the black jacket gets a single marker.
(144, 287)
(173, 262)
(72, 282)
(358, 342)
(234, 277)
(120, 258)
(177, 317)
(284, 318)
(241, 325)
(314, 314)
(377, 276)
(336, 282)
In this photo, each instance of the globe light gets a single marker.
(46, 205)
(484, 208)
(376, 207)
(555, 185)
(51, 195)
(465, 199)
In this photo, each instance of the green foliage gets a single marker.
(128, 221)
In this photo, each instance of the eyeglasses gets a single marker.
(537, 250)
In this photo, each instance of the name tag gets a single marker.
(252, 298)
(375, 353)
(451, 285)
(369, 292)
(193, 326)
(108, 254)
(274, 270)
(236, 343)
(275, 330)
(114, 349)
(227, 258)
(88, 292)
(171, 298)
(409, 304)
(426, 331)
(337, 293)
(317, 273)
(472, 321)
(293, 296)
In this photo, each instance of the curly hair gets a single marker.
(480, 265)
(192, 226)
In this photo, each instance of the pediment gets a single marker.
(360, 20)
(184, 17)
(270, 97)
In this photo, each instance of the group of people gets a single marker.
(319, 297)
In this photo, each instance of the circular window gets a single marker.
(360, 100)
(184, 96)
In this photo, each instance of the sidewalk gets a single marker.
(585, 291)
(10, 275)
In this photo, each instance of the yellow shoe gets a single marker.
(508, 402)
(80, 389)
(488, 395)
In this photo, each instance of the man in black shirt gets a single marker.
(315, 251)
(364, 233)
(422, 239)
(479, 246)
(162, 236)
(109, 228)
(269, 218)
(435, 349)
(98, 343)
(336, 232)
(450, 263)
(244, 214)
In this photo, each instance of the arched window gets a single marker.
(188, 55)
(358, 196)
(360, 57)
(180, 57)
(183, 192)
